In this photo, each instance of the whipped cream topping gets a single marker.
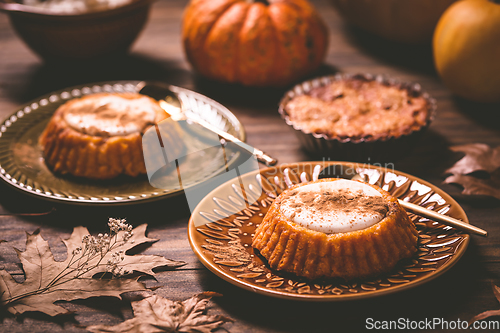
(111, 115)
(334, 206)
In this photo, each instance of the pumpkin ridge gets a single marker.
(237, 30)
(297, 7)
(291, 50)
(279, 52)
(280, 60)
(256, 49)
(188, 41)
(237, 74)
(315, 36)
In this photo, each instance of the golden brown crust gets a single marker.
(68, 151)
(292, 248)
(358, 109)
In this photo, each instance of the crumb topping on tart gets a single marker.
(334, 207)
(358, 108)
(112, 115)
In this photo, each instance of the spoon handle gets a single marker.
(8, 7)
(447, 220)
(444, 219)
(173, 107)
(259, 154)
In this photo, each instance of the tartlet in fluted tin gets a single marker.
(358, 117)
(335, 228)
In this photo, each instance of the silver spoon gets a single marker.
(350, 173)
(172, 105)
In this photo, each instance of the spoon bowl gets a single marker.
(169, 102)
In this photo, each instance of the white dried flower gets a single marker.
(113, 264)
(77, 251)
(119, 232)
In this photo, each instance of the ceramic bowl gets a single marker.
(87, 35)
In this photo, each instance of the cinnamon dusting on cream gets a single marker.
(336, 206)
(341, 200)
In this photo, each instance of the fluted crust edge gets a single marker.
(67, 151)
(292, 248)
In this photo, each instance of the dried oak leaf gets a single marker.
(490, 313)
(478, 157)
(477, 186)
(38, 292)
(158, 314)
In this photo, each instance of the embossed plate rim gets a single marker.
(239, 282)
(67, 94)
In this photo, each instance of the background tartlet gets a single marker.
(364, 147)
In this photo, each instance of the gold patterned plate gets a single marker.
(22, 165)
(223, 243)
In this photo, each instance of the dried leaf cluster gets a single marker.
(158, 314)
(478, 158)
(80, 276)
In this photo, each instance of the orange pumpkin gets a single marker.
(467, 49)
(255, 43)
(407, 21)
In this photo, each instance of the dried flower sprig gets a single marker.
(83, 257)
(81, 274)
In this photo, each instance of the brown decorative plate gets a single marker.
(223, 243)
(22, 164)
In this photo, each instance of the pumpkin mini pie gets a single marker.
(99, 136)
(357, 117)
(335, 228)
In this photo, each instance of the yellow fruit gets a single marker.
(466, 49)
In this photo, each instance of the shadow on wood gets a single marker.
(417, 58)
(259, 98)
(49, 77)
(481, 113)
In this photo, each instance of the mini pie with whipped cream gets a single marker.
(99, 136)
(335, 228)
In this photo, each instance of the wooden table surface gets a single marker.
(460, 293)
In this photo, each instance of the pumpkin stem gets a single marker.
(265, 2)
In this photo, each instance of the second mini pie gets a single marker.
(99, 136)
(358, 117)
(335, 228)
